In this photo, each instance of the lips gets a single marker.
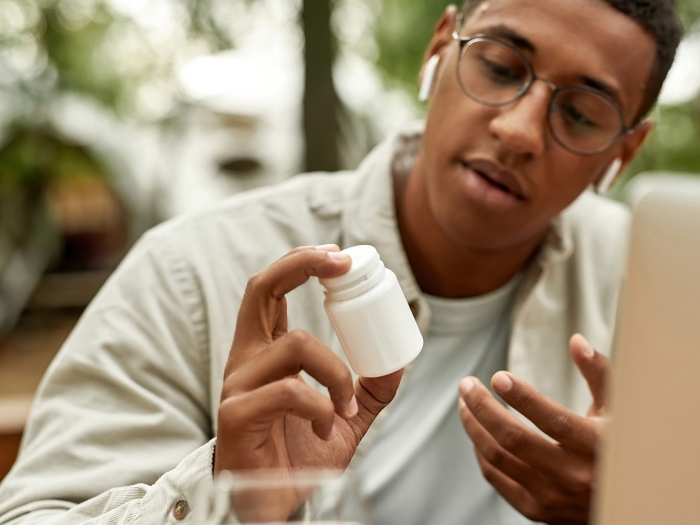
(497, 176)
(491, 186)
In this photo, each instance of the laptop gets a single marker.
(650, 460)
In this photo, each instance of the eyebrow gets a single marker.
(602, 86)
(512, 36)
(522, 42)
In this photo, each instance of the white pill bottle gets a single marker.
(370, 315)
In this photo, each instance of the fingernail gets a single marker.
(326, 247)
(352, 407)
(466, 385)
(502, 382)
(588, 349)
(339, 256)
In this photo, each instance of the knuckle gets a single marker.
(299, 339)
(552, 499)
(494, 455)
(291, 389)
(477, 406)
(253, 283)
(513, 440)
(534, 512)
(526, 401)
(562, 425)
(299, 249)
(230, 387)
(230, 413)
(582, 482)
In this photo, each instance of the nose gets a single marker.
(522, 125)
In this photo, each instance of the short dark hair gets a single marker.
(659, 19)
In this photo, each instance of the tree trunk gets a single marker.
(321, 129)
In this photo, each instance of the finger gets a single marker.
(288, 356)
(527, 504)
(328, 247)
(487, 446)
(373, 395)
(510, 433)
(256, 410)
(555, 420)
(258, 314)
(595, 367)
(294, 269)
(512, 492)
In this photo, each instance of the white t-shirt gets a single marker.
(421, 469)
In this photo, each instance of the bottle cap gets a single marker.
(364, 259)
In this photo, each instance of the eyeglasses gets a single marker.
(583, 120)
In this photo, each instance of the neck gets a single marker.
(442, 266)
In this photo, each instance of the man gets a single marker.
(484, 216)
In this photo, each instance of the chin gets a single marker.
(469, 229)
(476, 227)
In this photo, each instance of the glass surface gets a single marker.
(283, 496)
(582, 119)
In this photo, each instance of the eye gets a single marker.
(502, 74)
(577, 119)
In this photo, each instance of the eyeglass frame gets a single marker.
(465, 41)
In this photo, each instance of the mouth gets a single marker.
(491, 185)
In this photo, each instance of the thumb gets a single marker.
(373, 394)
(595, 368)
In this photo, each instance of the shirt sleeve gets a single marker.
(125, 404)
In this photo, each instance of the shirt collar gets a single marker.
(370, 213)
(559, 242)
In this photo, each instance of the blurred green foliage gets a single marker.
(105, 49)
(689, 12)
(108, 51)
(403, 31)
(71, 52)
(34, 157)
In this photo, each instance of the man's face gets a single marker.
(468, 145)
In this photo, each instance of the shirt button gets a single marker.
(181, 510)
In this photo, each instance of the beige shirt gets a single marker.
(122, 425)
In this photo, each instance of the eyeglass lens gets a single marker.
(494, 74)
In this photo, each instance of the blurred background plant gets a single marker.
(118, 114)
(354, 65)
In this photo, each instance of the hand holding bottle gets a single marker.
(269, 417)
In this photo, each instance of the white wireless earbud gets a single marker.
(609, 177)
(426, 85)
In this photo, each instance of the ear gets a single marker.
(442, 36)
(630, 147)
(634, 142)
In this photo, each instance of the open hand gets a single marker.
(269, 417)
(547, 481)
